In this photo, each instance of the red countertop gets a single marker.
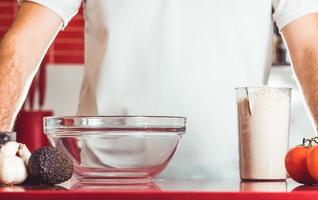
(166, 189)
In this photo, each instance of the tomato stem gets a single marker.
(315, 139)
(308, 142)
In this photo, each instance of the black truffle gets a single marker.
(48, 165)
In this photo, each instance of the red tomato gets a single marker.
(312, 162)
(296, 165)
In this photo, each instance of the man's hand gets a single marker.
(301, 37)
(21, 51)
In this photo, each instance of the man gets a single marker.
(167, 57)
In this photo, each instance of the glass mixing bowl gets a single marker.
(116, 149)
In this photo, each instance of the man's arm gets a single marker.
(301, 37)
(21, 50)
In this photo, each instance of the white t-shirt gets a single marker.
(180, 57)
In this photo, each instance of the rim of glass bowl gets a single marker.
(123, 125)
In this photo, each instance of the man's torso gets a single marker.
(178, 57)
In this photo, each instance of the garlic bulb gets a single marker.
(12, 169)
(10, 148)
(24, 153)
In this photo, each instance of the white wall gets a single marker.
(63, 87)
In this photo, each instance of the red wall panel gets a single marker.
(69, 44)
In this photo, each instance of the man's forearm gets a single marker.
(21, 51)
(306, 69)
(12, 80)
(301, 37)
